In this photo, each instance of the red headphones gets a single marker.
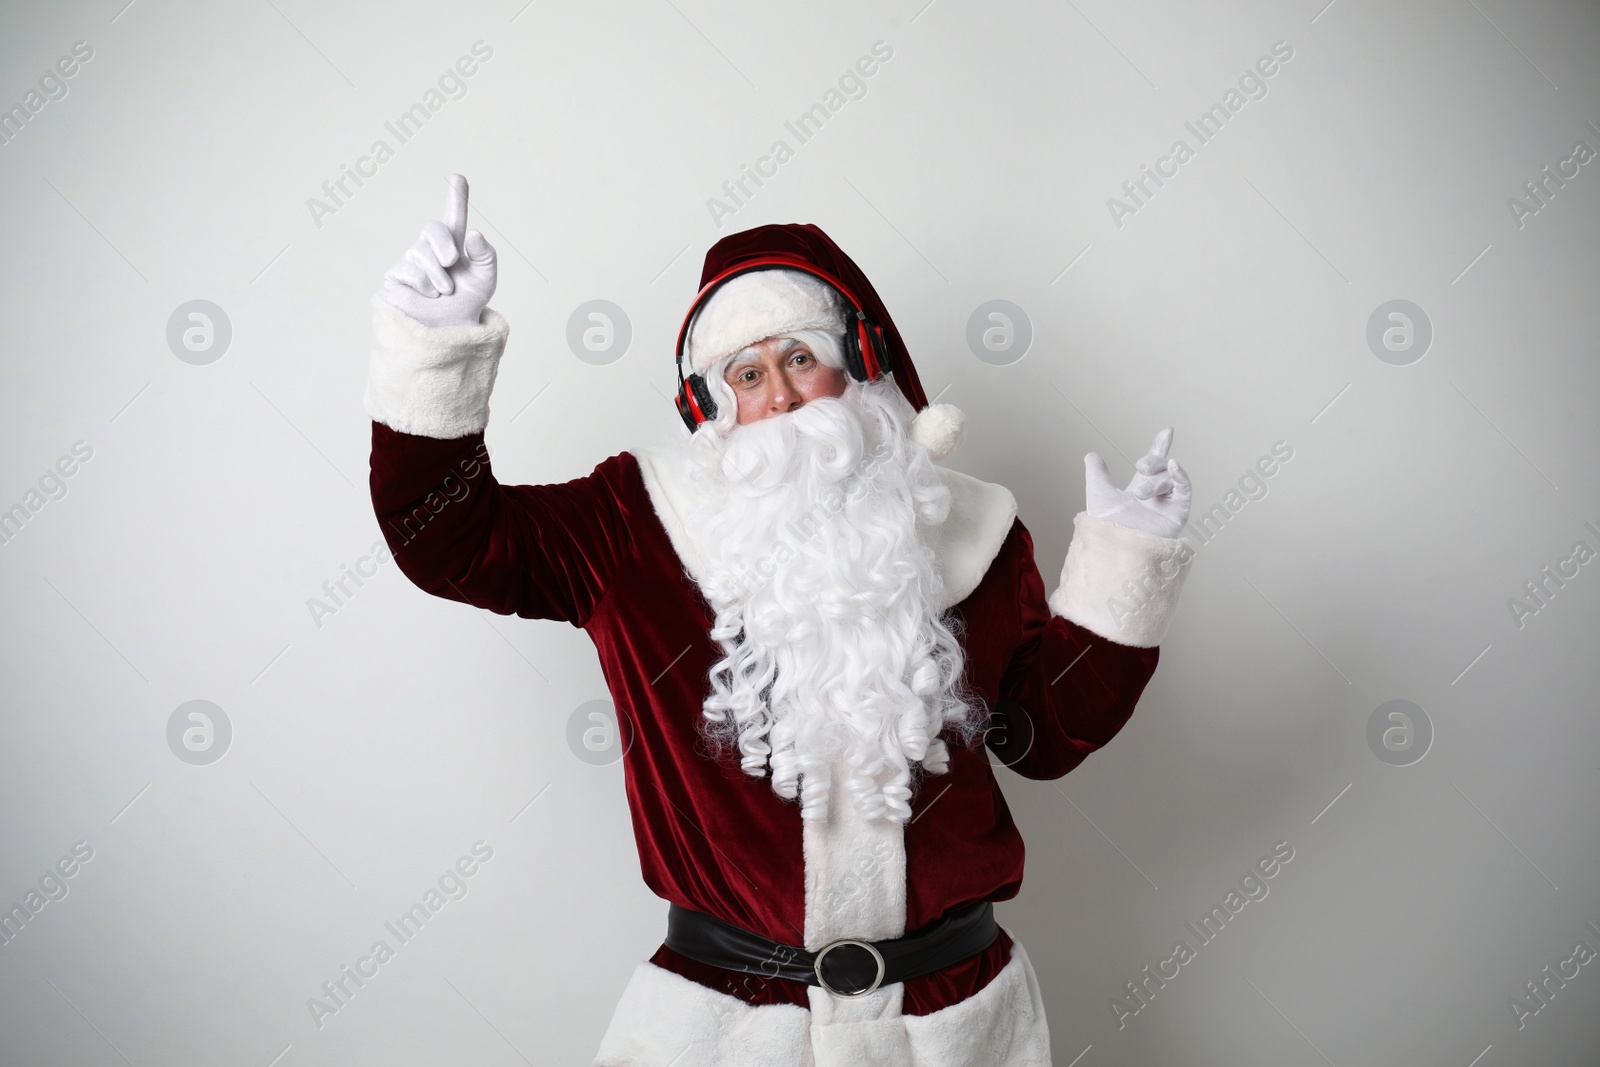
(866, 355)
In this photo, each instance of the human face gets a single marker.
(778, 375)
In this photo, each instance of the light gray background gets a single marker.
(369, 752)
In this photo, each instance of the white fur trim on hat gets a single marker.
(940, 428)
(752, 307)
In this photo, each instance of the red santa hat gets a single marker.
(765, 303)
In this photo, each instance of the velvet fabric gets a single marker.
(593, 553)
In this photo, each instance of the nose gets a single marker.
(785, 396)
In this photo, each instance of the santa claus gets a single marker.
(818, 639)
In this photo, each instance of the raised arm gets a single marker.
(1085, 654)
(539, 551)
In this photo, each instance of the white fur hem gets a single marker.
(1119, 583)
(432, 381)
(664, 1018)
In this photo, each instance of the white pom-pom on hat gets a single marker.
(940, 428)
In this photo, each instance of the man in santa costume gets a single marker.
(814, 636)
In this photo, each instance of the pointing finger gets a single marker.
(455, 209)
(1164, 440)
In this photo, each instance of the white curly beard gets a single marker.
(837, 663)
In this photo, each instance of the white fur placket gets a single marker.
(855, 887)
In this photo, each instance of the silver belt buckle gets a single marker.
(825, 949)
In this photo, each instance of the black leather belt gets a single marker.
(846, 967)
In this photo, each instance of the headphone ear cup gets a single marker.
(854, 361)
(702, 395)
(874, 356)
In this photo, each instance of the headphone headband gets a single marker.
(866, 359)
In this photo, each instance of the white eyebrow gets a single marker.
(785, 343)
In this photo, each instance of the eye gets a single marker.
(801, 358)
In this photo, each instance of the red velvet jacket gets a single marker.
(593, 552)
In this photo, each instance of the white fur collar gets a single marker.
(981, 514)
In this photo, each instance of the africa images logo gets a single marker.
(338, 991)
(451, 85)
(852, 85)
(1207, 125)
(1252, 887)
(52, 86)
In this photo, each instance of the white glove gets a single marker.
(447, 277)
(1155, 502)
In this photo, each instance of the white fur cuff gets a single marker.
(432, 381)
(1119, 583)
